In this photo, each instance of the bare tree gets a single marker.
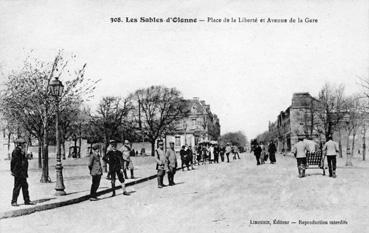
(157, 109)
(26, 100)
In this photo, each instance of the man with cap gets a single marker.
(171, 163)
(299, 150)
(96, 171)
(228, 150)
(115, 160)
(331, 149)
(128, 164)
(161, 163)
(19, 169)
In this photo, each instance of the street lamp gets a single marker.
(56, 90)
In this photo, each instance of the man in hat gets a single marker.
(19, 169)
(171, 163)
(128, 164)
(161, 163)
(331, 149)
(96, 171)
(115, 160)
(299, 150)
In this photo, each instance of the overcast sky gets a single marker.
(246, 72)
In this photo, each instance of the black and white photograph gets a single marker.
(184, 116)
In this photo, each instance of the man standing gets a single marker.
(128, 164)
(257, 152)
(115, 160)
(331, 148)
(171, 163)
(95, 171)
(183, 154)
(228, 150)
(299, 150)
(272, 149)
(19, 169)
(161, 163)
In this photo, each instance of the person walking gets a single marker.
(96, 171)
(128, 164)
(222, 152)
(19, 169)
(299, 150)
(228, 150)
(211, 154)
(171, 163)
(216, 154)
(257, 152)
(236, 152)
(115, 160)
(198, 155)
(272, 149)
(331, 149)
(161, 163)
(190, 156)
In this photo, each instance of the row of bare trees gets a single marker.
(28, 109)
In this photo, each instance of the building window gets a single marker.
(178, 141)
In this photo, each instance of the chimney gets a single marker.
(202, 102)
(196, 98)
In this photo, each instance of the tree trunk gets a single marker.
(353, 144)
(364, 144)
(348, 152)
(340, 143)
(40, 153)
(45, 152)
(153, 148)
(9, 135)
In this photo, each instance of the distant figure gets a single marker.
(216, 154)
(161, 163)
(96, 171)
(272, 149)
(228, 151)
(128, 164)
(198, 155)
(331, 148)
(183, 154)
(19, 169)
(171, 159)
(299, 150)
(222, 152)
(190, 156)
(257, 152)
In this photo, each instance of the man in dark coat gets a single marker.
(183, 154)
(257, 153)
(272, 149)
(19, 169)
(171, 160)
(115, 160)
(190, 156)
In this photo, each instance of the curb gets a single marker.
(38, 208)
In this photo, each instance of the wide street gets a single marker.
(221, 198)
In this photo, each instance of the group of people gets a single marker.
(303, 148)
(263, 152)
(211, 153)
(119, 162)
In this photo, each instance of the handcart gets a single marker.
(315, 161)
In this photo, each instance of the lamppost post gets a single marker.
(56, 89)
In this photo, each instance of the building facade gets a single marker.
(200, 125)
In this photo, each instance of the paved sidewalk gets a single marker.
(77, 183)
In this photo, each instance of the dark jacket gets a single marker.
(257, 150)
(114, 159)
(183, 154)
(272, 148)
(19, 163)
